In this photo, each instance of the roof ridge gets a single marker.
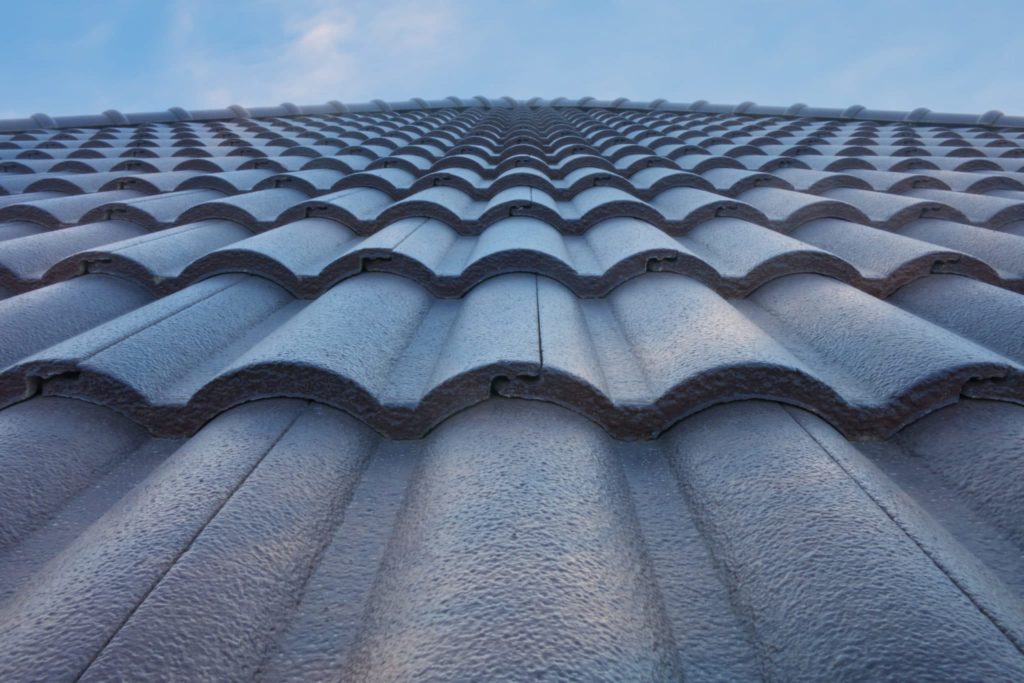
(113, 117)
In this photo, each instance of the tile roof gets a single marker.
(262, 376)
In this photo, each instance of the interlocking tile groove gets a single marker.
(285, 541)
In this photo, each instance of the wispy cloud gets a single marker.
(140, 56)
(359, 51)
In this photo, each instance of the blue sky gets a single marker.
(143, 55)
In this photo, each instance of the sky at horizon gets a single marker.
(148, 55)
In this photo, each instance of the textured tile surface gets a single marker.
(286, 541)
(261, 382)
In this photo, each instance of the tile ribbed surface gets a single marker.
(779, 253)
(262, 377)
(285, 541)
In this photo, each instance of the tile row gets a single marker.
(380, 347)
(646, 182)
(431, 155)
(494, 131)
(797, 114)
(515, 542)
(494, 128)
(367, 210)
(350, 163)
(494, 139)
(310, 255)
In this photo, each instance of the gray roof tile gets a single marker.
(610, 550)
(255, 367)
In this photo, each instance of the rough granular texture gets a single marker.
(499, 390)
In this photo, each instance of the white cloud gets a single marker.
(323, 52)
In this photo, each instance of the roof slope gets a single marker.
(783, 353)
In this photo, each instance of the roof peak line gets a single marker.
(113, 117)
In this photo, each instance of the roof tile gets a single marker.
(784, 342)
